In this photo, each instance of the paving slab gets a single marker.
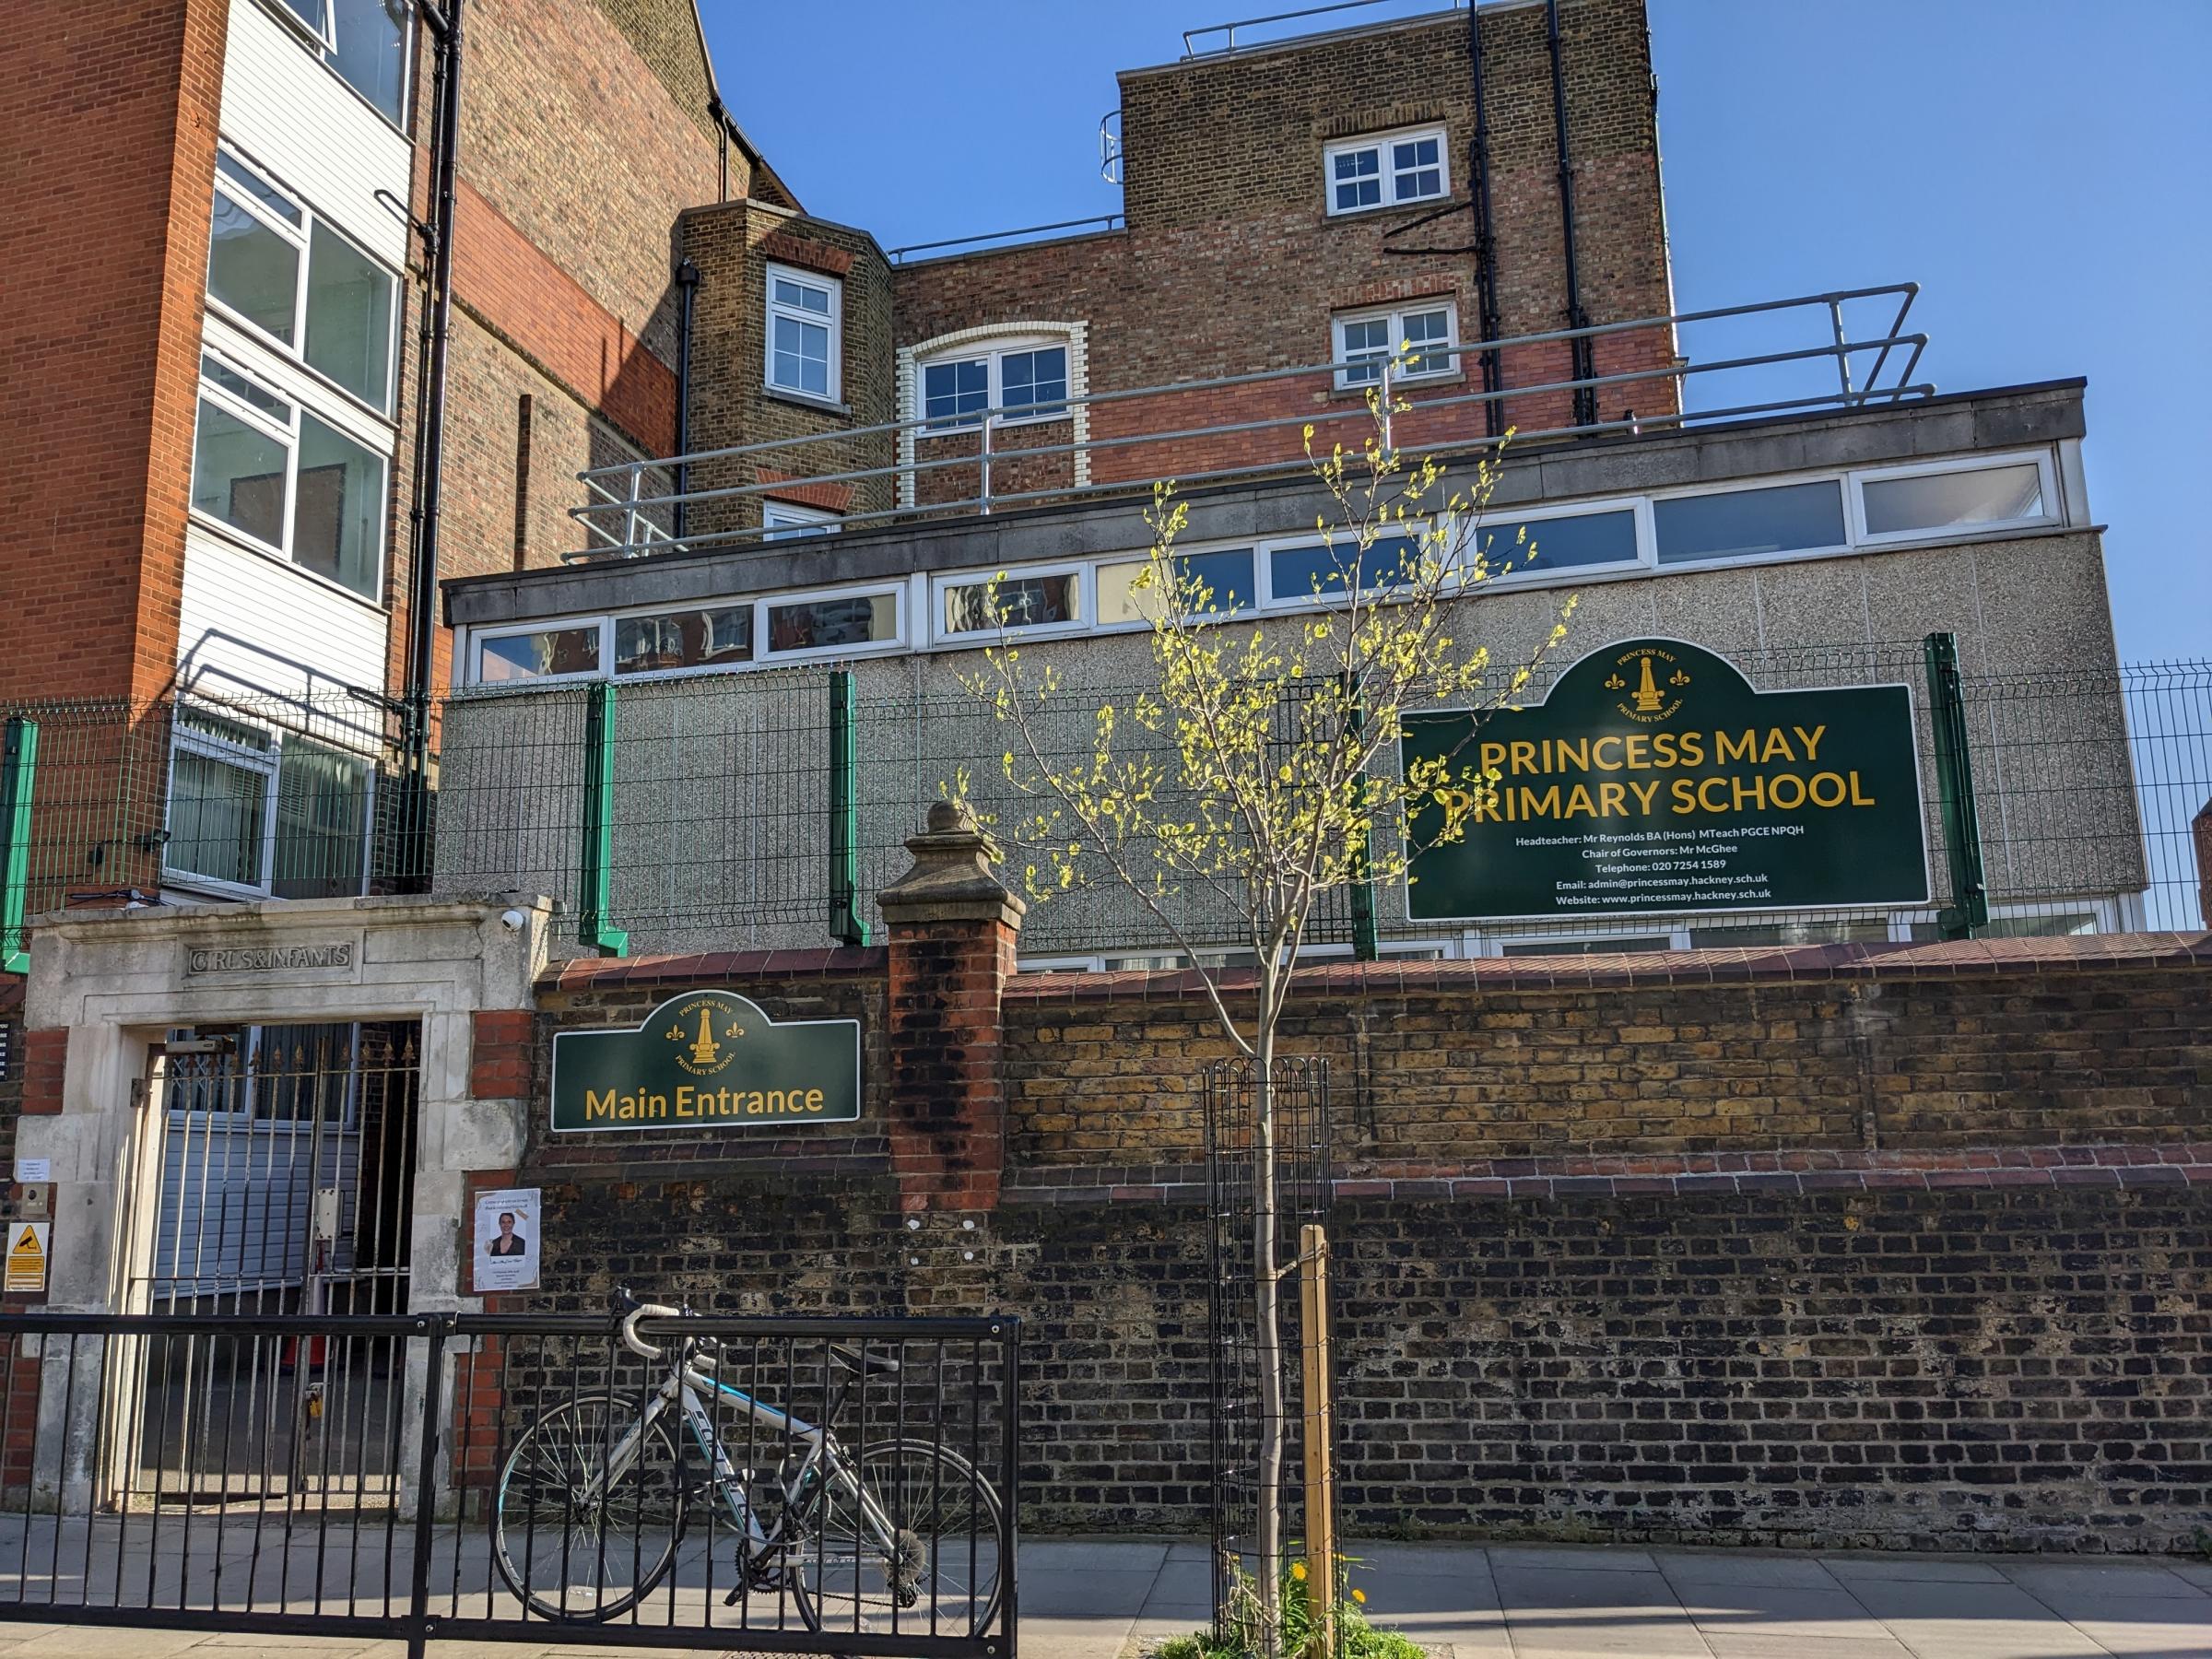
(1775, 1610)
(1737, 1645)
(1934, 1569)
(1565, 1613)
(1581, 1558)
(1954, 1620)
(1717, 1567)
(2102, 1578)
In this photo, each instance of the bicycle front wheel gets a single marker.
(909, 1539)
(589, 1509)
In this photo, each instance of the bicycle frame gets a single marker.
(685, 1384)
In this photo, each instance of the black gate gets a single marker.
(1300, 1098)
(804, 1485)
(278, 1181)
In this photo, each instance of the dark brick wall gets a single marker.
(1554, 1318)
(1470, 1061)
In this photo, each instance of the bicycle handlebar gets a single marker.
(637, 1343)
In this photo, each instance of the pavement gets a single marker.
(1115, 1598)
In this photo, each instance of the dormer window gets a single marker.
(1387, 169)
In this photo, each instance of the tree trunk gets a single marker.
(1266, 1330)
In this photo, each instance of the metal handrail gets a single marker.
(1229, 28)
(614, 524)
(898, 255)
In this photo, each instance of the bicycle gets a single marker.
(593, 1502)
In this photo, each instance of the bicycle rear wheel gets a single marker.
(573, 1545)
(926, 1562)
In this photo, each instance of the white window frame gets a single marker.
(1386, 172)
(974, 638)
(833, 320)
(267, 761)
(608, 623)
(1265, 551)
(1396, 316)
(900, 603)
(792, 521)
(479, 637)
(993, 354)
(289, 434)
(1639, 507)
(1855, 505)
(301, 237)
(184, 739)
(1841, 478)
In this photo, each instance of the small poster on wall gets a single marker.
(507, 1240)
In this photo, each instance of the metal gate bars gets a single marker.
(842, 1486)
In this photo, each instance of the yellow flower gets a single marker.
(1360, 1597)
(1298, 1572)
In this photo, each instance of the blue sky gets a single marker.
(2042, 168)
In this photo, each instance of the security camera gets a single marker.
(513, 920)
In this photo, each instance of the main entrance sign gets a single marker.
(706, 1060)
(1655, 780)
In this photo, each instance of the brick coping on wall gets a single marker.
(1775, 963)
(600, 973)
(1629, 1175)
(1783, 963)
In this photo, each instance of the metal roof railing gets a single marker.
(625, 519)
(1229, 46)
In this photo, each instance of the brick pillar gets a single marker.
(952, 931)
(2201, 828)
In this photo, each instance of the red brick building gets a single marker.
(220, 397)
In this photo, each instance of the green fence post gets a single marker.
(597, 877)
(846, 925)
(1367, 942)
(1968, 907)
(17, 772)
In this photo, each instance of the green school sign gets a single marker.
(706, 1060)
(1654, 780)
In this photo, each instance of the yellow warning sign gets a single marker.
(27, 1253)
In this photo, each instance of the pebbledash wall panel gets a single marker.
(1899, 1247)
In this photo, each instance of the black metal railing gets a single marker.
(803, 1486)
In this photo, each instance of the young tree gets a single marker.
(1259, 772)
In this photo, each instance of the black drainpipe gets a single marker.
(721, 147)
(1485, 236)
(1586, 397)
(687, 283)
(430, 429)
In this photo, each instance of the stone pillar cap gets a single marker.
(950, 879)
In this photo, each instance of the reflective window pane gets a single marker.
(215, 370)
(1367, 340)
(238, 474)
(1358, 178)
(1739, 523)
(824, 624)
(350, 317)
(323, 800)
(252, 269)
(1989, 495)
(1023, 602)
(1301, 572)
(1429, 328)
(1560, 544)
(232, 170)
(368, 49)
(801, 361)
(534, 655)
(1416, 169)
(686, 639)
(802, 295)
(1032, 384)
(341, 507)
(217, 816)
(1213, 583)
(955, 395)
